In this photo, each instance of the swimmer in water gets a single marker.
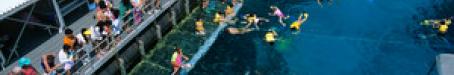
(277, 12)
(252, 19)
(295, 26)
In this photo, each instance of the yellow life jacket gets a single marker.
(443, 29)
(296, 25)
(217, 17)
(228, 10)
(199, 26)
(174, 57)
(251, 19)
(269, 37)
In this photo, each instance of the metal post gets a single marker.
(59, 16)
(187, 7)
(21, 32)
(141, 47)
(174, 15)
(2, 57)
(121, 64)
(158, 31)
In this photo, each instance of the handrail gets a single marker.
(109, 43)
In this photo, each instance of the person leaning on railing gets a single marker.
(66, 58)
(48, 63)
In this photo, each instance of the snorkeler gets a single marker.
(442, 25)
(277, 12)
(236, 31)
(200, 30)
(177, 60)
(320, 2)
(252, 19)
(218, 18)
(229, 10)
(295, 26)
(270, 37)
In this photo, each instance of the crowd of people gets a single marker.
(111, 22)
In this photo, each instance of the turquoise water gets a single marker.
(349, 37)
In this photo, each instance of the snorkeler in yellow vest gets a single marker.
(442, 25)
(270, 37)
(297, 24)
(200, 30)
(218, 18)
(229, 10)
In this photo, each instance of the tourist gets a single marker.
(86, 34)
(125, 8)
(137, 12)
(26, 67)
(270, 37)
(229, 10)
(48, 64)
(441, 25)
(80, 40)
(277, 12)
(252, 19)
(295, 26)
(66, 58)
(157, 4)
(218, 18)
(116, 26)
(69, 38)
(177, 60)
(444, 25)
(96, 36)
(200, 30)
(235, 31)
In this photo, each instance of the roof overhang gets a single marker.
(9, 7)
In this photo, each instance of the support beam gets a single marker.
(121, 65)
(174, 17)
(186, 4)
(32, 23)
(59, 16)
(158, 32)
(141, 47)
(13, 50)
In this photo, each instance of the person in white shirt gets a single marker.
(66, 57)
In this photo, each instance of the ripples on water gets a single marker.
(350, 37)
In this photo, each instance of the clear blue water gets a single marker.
(349, 37)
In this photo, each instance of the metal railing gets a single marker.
(111, 41)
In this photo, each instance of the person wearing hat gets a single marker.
(27, 68)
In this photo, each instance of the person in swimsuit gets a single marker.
(277, 12)
(270, 37)
(200, 30)
(177, 60)
(296, 25)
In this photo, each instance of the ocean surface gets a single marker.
(344, 37)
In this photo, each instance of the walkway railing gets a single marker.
(89, 65)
